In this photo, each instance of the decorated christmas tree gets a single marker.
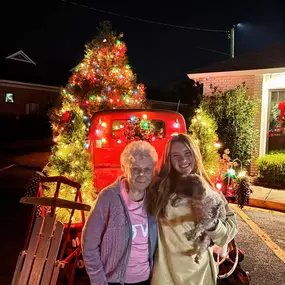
(102, 81)
(203, 129)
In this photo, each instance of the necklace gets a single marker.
(139, 200)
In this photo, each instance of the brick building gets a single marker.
(29, 86)
(264, 74)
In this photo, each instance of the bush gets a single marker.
(234, 112)
(272, 168)
(203, 130)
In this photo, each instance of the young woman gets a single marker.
(120, 238)
(175, 261)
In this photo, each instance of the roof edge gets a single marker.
(237, 72)
(18, 84)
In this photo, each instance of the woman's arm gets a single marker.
(92, 237)
(225, 230)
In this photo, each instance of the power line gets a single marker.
(143, 20)
(212, 50)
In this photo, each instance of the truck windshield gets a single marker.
(118, 127)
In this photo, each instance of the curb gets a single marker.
(270, 205)
(35, 168)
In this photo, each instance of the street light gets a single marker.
(232, 39)
(231, 35)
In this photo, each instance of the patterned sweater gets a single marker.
(107, 238)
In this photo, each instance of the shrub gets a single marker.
(272, 168)
(234, 112)
(203, 129)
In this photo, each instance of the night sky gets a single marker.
(57, 31)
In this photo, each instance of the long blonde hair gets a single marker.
(163, 185)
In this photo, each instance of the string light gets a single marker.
(217, 145)
(231, 172)
(92, 83)
(176, 124)
(219, 186)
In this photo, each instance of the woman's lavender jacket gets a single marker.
(107, 237)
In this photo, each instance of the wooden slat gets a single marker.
(55, 273)
(31, 251)
(42, 250)
(52, 255)
(19, 264)
(61, 179)
(61, 203)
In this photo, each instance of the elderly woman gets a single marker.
(120, 237)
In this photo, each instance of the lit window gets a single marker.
(276, 140)
(10, 98)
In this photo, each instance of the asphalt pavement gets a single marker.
(260, 261)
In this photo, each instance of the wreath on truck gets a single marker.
(139, 129)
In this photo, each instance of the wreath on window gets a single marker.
(136, 129)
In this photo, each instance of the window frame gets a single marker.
(270, 91)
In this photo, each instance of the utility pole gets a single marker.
(232, 39)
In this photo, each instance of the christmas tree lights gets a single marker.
(102, 81)
(203, 129)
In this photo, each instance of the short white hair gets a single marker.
(135, 148)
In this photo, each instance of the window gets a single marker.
(32, 109)
(10, 98)
(118, 128)
(276, 136)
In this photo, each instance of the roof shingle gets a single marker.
(271, 57)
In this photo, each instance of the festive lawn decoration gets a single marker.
(242, 191)
(234, 185)
(203, 129)
(102, 81)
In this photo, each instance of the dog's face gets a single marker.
(191, 186)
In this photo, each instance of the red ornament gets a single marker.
(281, 107)
(65, 116)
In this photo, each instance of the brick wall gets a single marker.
(227, 82)
(254, 86)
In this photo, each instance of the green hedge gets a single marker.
(272, 168)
